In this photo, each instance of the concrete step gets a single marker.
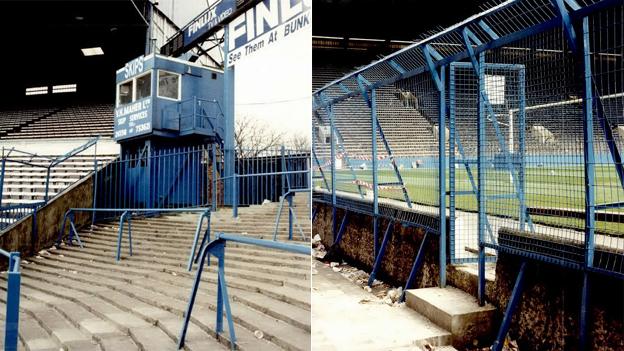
(455, 311)
(139, 302)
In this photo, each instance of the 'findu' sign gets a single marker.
(265, 24)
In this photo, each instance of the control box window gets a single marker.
(144, 86)
(168, 85)
(124, 93)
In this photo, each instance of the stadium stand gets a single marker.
(551, 125)
(26, 184)
(84, 120)
(14, 119)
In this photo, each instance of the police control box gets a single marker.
(168, 97)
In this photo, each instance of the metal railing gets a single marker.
(11, 324)
(194, 115)
(183, 177)
(13, 213)
(124, 217)
(217, 248)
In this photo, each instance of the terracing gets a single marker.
(79, 299)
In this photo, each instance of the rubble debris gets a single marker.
(334, 264)
(266, 202)
(336, 269)
(316, 240)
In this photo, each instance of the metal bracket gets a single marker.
(511, 308)
(380, 255)
(415, 267)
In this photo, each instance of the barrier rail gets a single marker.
(217, 248)
(11, 325)
(13, 213)
(125, 217)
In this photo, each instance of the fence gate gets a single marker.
(498, 114)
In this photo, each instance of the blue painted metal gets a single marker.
(481, 146)
(459, 56)
(511, 307)
(363, 83)
(2, 171)
(416, 266)
(269, 244)
(397, 67)
(439, 79)
(292, 216)
(11, 328)
(332, 128)
(194, 251)
(588, 149)
(319, 166)
(228, 108)
(125, 217)
(235, 195)
(584, 313)
(373, 107)
(217, 248)
(567, 23)
(522, 216)
(380, 255)
(343, 226)
(488, 30)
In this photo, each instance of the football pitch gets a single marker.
(545, 188)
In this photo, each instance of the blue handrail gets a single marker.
(125, 217)
(217, 248)
(11, 327)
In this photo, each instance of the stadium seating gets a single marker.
(11, 120)
(67, 122)
(26, 183)
(410, 124)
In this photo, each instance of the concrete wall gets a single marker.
(356, 247)
(19, 236)
(547, 318)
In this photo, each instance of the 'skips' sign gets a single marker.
(265, 24)
(133, 67)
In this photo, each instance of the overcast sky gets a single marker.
(275, 84)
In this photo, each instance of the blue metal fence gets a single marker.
(530, 95)
(170, 178)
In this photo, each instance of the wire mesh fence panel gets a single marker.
(606, 36)
(535, 90)
(534, 146)
(412, 129)
(267, 174)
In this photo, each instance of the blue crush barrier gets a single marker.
(126, 217)
(11, 327)
(217, 248)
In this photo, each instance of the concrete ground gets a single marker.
(346, 317)
(80, 299)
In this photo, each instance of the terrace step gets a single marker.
(82, 299)
(454, 310)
